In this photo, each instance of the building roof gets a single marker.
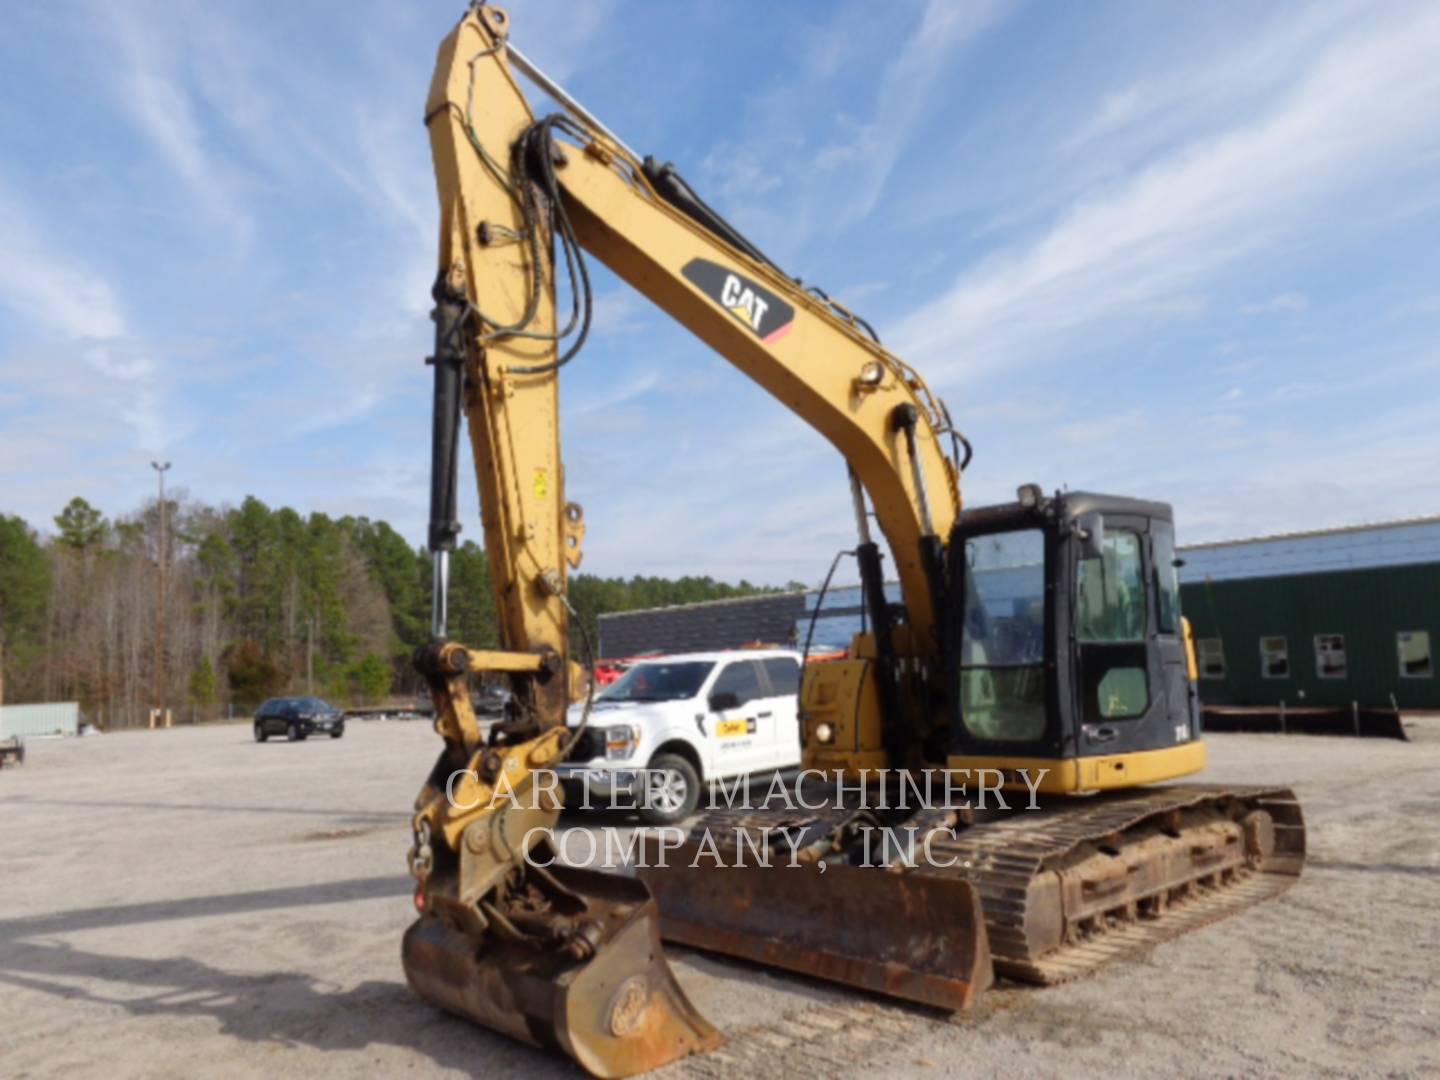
(1351, 547)
(747, 599)
(725, 624)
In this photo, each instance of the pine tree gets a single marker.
(81, 526)
(203, 684)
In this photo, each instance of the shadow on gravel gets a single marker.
(208, 808)
(1374, 868)
(196, 907)
(287, 1008)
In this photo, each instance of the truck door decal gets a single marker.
(729, 729)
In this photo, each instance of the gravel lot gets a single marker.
(188, 903)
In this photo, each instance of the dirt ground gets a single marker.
(189, 903)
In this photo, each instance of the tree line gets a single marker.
(257, 602)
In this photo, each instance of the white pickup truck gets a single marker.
(669, 726)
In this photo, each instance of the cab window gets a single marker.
(1167, 578)
(1110, 601)
(1122, 693)
(740, 678)
(1002, 647)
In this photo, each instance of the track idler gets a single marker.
(616, 1010)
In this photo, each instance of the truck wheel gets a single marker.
(259, 732)
(294, 734)
(337, 733)
(672, 790)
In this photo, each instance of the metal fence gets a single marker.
(50, 718)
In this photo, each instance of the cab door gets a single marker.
(736, 699)
(1129, 654)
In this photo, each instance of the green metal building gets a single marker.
(1325, 618)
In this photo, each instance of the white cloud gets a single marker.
(1116, 429)
(1422, 305)
(562, 37)
(876, 145)
(1288, 303)
(1117, 109)
(834, 177)
(87, 417)
(152, 90)
(354, 406)
(397, 177)
(1293, 479)
(852, 294)
(1360, 110)
(621, 311)
(681, 503)
(50, 287)
(66, 301)
(617, 396)
(1232, 71)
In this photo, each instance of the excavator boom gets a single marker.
(520, 198)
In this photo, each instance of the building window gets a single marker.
(1330, 656)
(1212, 658)
(1414, 648)
(1274, 658)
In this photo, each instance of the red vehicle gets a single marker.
(607, 671)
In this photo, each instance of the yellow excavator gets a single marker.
(1036, 654)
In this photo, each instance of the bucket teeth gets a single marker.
(617, 1013)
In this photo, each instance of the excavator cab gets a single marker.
(1070, 649)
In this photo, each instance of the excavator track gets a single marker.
(1080, 882)
(1041, 896)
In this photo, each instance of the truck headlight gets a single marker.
(621, 741)
(824, 733)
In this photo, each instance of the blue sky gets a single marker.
(1180, 251)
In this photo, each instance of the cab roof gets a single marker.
(1064, 505)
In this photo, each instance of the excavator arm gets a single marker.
(558, 956)
(519, 200)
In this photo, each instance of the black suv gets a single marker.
(297, 717)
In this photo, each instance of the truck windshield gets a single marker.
(658, 681)
(1002, 647)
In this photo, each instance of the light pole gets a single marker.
(160, 680)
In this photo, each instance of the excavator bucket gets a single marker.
(617, 1013)
(906, 935)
